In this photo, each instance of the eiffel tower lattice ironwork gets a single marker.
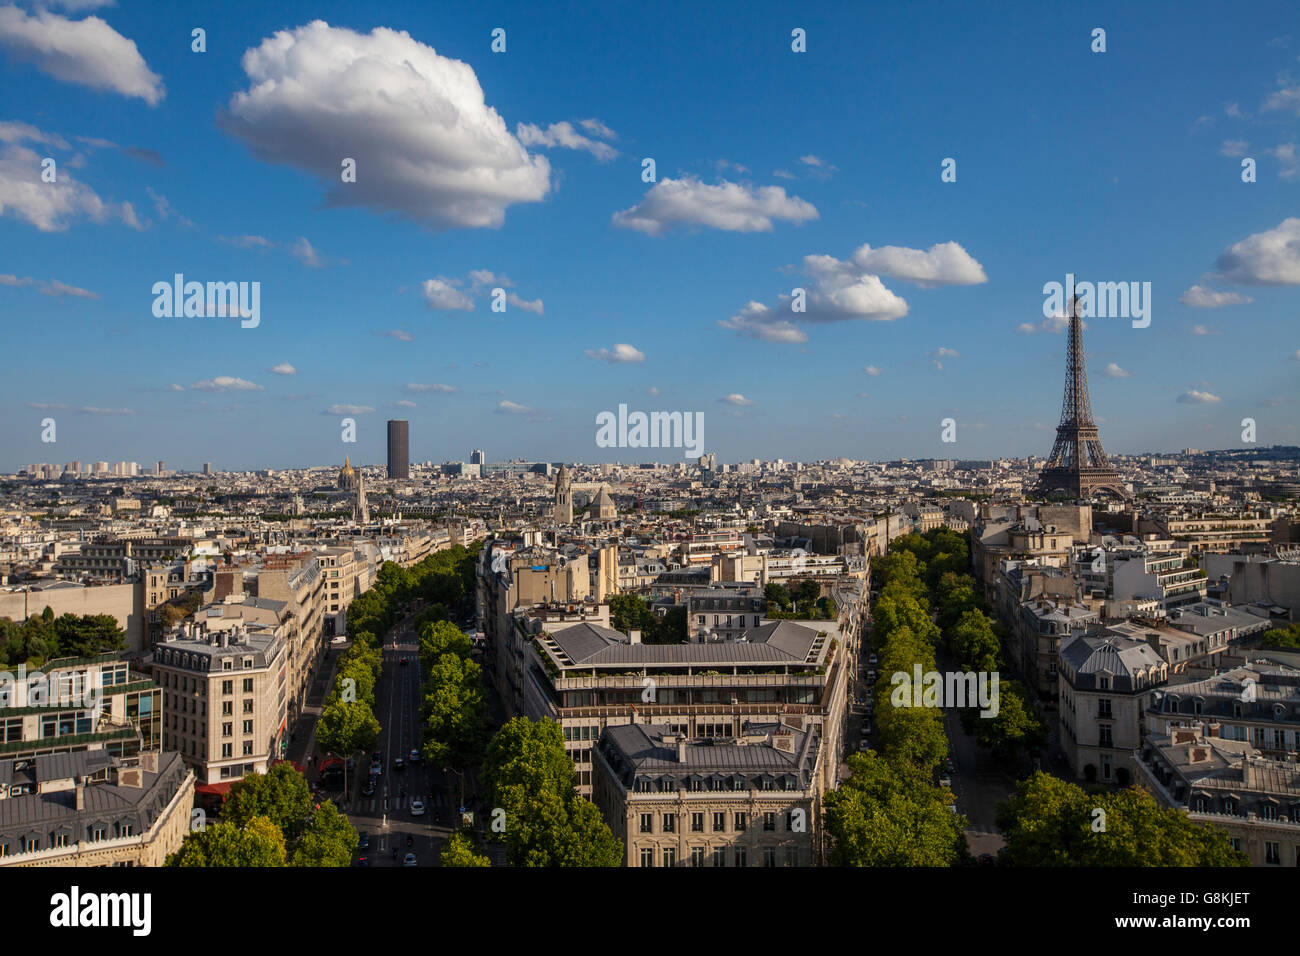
(1078, 465)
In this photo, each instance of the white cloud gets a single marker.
(1234, 147)
(16, 132)
(226, 383)
(622, 352)
(426, 144)
(1026, 328)
(872, 370)
(1271, 257)
(1114, 371)
(405, 403)
(596, 128)
(512, 408)
(50, 207)
(1193, 397)
(1202, 297)
(735, 398)
(93, 410)
(1287, 98)
(303, 251)
(534, 306)
(944, 263)
(163, 207)
(486, 277)
(442, 294)
(52, 288)
(87, 52)
(348, 410)
(400, 334)
(818, 166)
(430, 387)
(1285, 154)
(284, 368)
(47, 406)
(563, 134)
(653, 391)
(248, 242)
(758, 321)
(728, 206)
(783, 174)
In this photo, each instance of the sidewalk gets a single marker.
(303, 732)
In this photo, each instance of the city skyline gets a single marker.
(925, 297)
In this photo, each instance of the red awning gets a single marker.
(220, 789)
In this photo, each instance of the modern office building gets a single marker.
(476, 457)
(399, 449)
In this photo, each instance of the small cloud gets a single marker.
(432, 387)
(92, 410)
(819, 167)
(735, 398)
(1202, 330)
(783, 174)
(226, 383)
(564, 135)
(1114, 371)
(596, 128)
(512, 408)
(620, 353)
(163, 207)
(652, 391)
(284, 368)
(347, 410)
(441, 294)
(400, 334)
(1194, 397)
(1200, 297)
(176, 387)
(150, 156)
(1234, 147)
(404, 403)
(303, 251)
(1026, 328)
(535, 306)
(872, 370)
(46, 406)
(247, 242)
(486, 277)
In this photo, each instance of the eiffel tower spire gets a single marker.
(1078, 465)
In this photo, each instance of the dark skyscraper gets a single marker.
(399, 449)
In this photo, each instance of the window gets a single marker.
(697, 856)
(227, 687)
(670, 857)
(719, 822)
(227, 730)
(60, 839)
(248, 726)
(98, 833)
(126, 830)
(248, 748)
(1104, 738)
(741, 859)
(769, 856)
(719, 856)
(1272, 853)
(697, 824)
(741, 820)
(248, 685)
(647, 856)
(769, 821)
(1103, 683)
(227, 708)
(248, 705)
(1103, 708)
(1268, 811)
(670, 823)
(227, 751)
(792, 856)
(647, 823)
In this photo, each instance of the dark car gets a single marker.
(362, 861)
(403, 661)
(369, 789)
(363, 841)
(415, 756)
(399, 764)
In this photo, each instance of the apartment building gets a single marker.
(1257, 703)
(296, 581)
(1212, 532)
(345, 575)
(114, 558)
(1255, 800)
(588, 677)
(1041, 625)
(752, 799)
(1103, 683)
(226, 691)
(723, 612)
(91, 808)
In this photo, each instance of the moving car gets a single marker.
(399, 764)
(415, 756)
(410, 860)
(369, 789)
(403, 661)
(363, 841)
(417, 808)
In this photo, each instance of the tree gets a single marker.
(882, 816)
(344, 729)
(630, 611)
(258, 842)
(973, 643)
(527, 773)
(329, 839)
(1017, 728)
(281, 795)
(441, 638)
(1051, 822)
(778, 596)
(454, 711)
(459, 850)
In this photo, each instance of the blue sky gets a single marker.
(1117, 166)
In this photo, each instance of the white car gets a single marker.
(417, 808)
(945, 781)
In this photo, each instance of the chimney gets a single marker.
(81, 793)
(681, 749)
(634, 636)
(1212, 729)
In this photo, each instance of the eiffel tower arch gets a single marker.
(1078, 466)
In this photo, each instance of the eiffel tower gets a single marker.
(1078, 466)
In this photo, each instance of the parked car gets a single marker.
(368, 790)
(363, 841)
(948, 765)
(873, 660)
(945, 781)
